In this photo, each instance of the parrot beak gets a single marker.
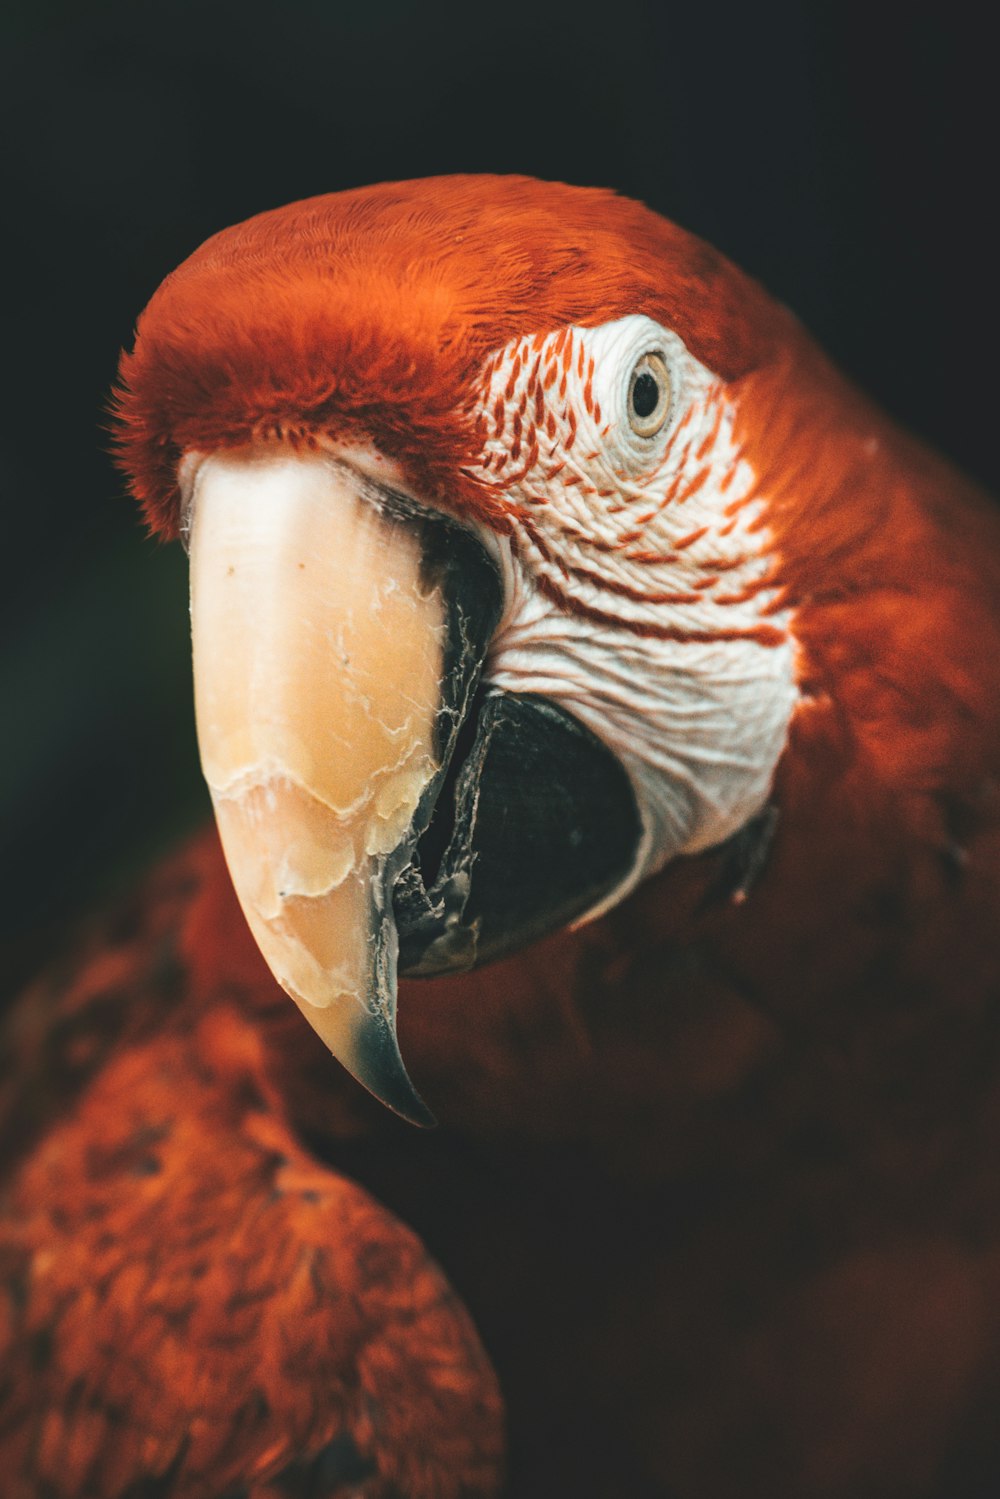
(330, 682)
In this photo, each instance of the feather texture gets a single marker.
(717, 1176)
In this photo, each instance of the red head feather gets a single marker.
(370, 311)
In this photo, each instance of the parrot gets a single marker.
(581, 661)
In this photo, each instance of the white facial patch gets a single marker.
(640, 589)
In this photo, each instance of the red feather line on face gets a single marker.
(602, 529)
(370, 314)
(768, 635)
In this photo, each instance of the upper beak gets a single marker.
(340, 631)
(329, 689)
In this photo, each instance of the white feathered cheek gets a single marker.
(640, 585)
(579, 428)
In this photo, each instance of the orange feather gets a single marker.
(371, 311)
(717, 1172)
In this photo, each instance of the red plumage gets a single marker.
(715, 1177)
(371, 311)
(192, 1298)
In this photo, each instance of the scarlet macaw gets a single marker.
(554, 603)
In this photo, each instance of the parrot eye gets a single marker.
(648, 396)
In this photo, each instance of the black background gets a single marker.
(845, 157)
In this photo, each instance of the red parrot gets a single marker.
(557, 608)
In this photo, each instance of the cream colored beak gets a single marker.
(317, 665)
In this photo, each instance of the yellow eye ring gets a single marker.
(648, 396)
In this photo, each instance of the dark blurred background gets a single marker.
(847, 159)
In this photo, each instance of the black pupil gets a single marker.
(645, 394)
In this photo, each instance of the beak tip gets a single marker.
(419, 1114)
(378, 1066)
(403, 1099)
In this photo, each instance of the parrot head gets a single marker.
(487, 617)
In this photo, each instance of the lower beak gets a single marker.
(322, 682)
